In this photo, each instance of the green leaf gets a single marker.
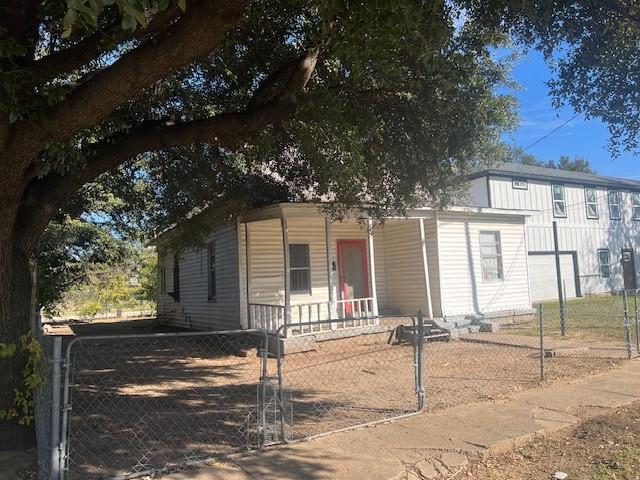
(128, 22)
(136, 14)
(68, 21)
(182, 4)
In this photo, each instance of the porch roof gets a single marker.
(302, 209)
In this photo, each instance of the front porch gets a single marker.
(299, 269)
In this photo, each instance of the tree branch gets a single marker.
(89, 48)
(47, 195)
(200, 31)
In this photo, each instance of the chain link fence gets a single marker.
(130, 405)
(138, 403)
(343, 377)
(482, 360)
(134, 404)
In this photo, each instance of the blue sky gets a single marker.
(580, 137)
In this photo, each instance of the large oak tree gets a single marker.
(368, 102)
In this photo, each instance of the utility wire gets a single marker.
(550, 133)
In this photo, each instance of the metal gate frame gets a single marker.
(418, 367)
(61, 382)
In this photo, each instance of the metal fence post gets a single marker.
(556, 251)
(420, 361)
(280, 397)
(635, 307)
(627, 324)
(66, 408)
(541, 319)
(56, 453)
(264, 356)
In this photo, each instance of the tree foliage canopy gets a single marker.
(593, 49)
(133, 114)
(141, 112)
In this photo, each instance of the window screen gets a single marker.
(614, 205)
(592, 202)
(559, 205)
(604, 263)
(299, 268)
(635, 200)
(491, 255)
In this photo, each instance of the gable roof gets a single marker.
(553, 174)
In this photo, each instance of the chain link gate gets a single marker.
(137, 404)
(340, 374)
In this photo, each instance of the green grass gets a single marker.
(593, 317)
(621, 465)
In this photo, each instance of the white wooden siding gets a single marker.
(242, 274)
(266, 262)
(194, 310)
(543, 280)
(576, 232)
(404, 272)
(463, 289)
(431, 231)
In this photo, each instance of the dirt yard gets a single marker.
(606, 447)
(142, 403)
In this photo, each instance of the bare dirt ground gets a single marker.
(143, 403)
(605, 447)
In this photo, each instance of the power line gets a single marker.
(550, 133)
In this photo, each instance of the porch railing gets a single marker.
(357, 312)
(266, 317)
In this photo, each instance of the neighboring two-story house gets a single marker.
(598, 220)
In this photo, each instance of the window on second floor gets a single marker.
(614, 205)
(491, 256)
(519, 184)
(635, 201)
(604, 263)
(591, 199)
(559, 204)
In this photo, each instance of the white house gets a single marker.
(289, 263)
(598, 222)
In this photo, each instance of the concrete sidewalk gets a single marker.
(434, 445)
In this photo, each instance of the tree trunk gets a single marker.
(16, 311)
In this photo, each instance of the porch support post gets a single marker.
(287, 277)
(327, 243)
(247, 266)
(425, 265)
(372, 267)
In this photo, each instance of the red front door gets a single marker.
(353, 273)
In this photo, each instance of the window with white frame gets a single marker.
(519, 184)
(299, 268)
(211, 272)
(604, 263)
(491, 255)
(614, 205)
(559, 204)
(635, 202)
(591, 199)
